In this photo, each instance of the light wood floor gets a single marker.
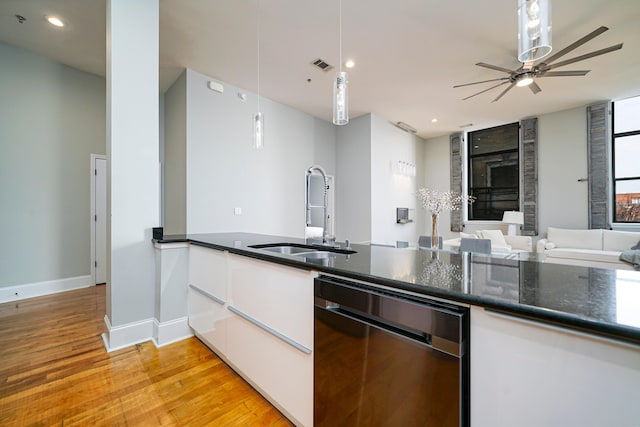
(54, 370)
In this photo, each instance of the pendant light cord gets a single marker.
(258, 20)
(340, 32)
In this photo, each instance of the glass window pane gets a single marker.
(628, 201)
(627, 157)
(627, 115)
(499, 138)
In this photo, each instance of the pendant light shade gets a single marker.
(258, 130)
(534, 29)
(340, 100)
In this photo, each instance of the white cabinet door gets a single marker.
(208, 290)
(280, 297)
(528, 374)
(270, 339)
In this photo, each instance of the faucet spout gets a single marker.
(321, 171)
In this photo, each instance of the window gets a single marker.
(494, 172)
(626, 163)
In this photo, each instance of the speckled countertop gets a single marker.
(592, 300)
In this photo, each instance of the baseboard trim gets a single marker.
(30, 290)
(118, 337)
(165, 333)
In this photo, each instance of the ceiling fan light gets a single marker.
(534, 29)
(524, 81)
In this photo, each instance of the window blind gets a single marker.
(599, 164)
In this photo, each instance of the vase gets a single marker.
(434, 232)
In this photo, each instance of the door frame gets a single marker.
(92, 213)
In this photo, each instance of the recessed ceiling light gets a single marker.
(434, 120)
(54, 20)
(350, 63)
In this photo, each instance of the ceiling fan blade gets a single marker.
(494, 67)
(484, 81)
(486, 90)
(564, 73)
(575, 44)
(583, 57)
(534, 87)
(505, 91)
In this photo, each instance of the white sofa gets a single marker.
(500, 244)
(591, 248)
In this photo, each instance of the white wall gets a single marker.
(133, 168)
(353, 180)
(437, 172)
(224, 172)
(562, 160)
(52, 117)
(389, 190)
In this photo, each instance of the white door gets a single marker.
(100, 220)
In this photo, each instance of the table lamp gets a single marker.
(513, 218)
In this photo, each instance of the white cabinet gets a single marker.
(270, 338)
(208, 290)
(529, 374)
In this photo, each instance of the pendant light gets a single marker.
(534, 29)
(258, 118)
(340, 89)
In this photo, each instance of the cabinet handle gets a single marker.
(207, 294)
(272, 331)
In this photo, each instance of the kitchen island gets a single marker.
(557, 338)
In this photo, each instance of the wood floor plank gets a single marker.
(54, 370)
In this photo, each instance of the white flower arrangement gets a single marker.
(442, 201)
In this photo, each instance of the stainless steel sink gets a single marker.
(287, 250)
(317, 255)
(308, 251)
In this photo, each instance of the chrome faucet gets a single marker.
(319, 169)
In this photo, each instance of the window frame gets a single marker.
(614, 180)
(469, 170)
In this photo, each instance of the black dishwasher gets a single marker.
(384, 358)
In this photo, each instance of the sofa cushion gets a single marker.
(498, 243)
(613, 240)
(579, 239)
(585, 254)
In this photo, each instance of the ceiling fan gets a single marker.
(529, 71)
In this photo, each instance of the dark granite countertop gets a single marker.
(592, 300)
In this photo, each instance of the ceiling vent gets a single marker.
(322, 64)
(405, 127)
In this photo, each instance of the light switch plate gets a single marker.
(237, 211)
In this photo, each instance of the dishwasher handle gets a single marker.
(441, 328)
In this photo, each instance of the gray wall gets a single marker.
(175, 171)
(224, 172)
(52, 117)
(353, 180)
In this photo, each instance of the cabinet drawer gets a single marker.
(281, 372)
(208, 270)
(207, 317)
(278, 297)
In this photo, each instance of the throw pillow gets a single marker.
(549, 245)
(637, 246)
(496, 237)
(468, 235)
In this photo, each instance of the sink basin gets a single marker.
(300, 249)
(316, 255)
(287, 250)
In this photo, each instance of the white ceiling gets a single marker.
(408, 53)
